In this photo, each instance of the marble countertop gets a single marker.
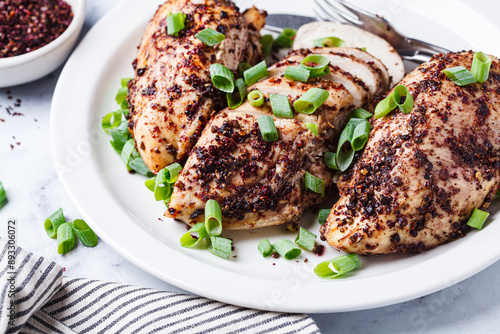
(34, 192)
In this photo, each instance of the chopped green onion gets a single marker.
(121, 95)
(311, 100)
(255, 73)
(287, 249)
(360, 113)
(137, 164)
(331, 160)
(305, 239)
(54, 221)
(213, 218)
(256, 98)
(175, 23)
(242, 67)
(481, 67)
(195, 234)
(459, 75)
(124, 108)
(265, 247)
(401, 92)
(111, 120)
(315, 184)
(65, 238)
(266, 43)
(477, 219)
(172, 172)
(319, 69)
(150, 183)
(267, 128)
(3, 197)
(222, 78)
(220, 246)
(210, 37)
(384, 107)
(313, 127)
(323, 215)
(338, 266)
(124, 81)
(280, 106)
(163, 188)
(285, 39)
(297, 73)
(363, 48)
(240, 90)
(119, 136)
(84, 233)
(329, 42)
(126, 152)
(356, 133)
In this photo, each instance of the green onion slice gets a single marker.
(280, 106)
(330, 160)
(175, 23)
(220, 246)
(401, 93)
(297, 73)
(255, 73)
(119, 136)
(356, 133)
(150, 184)
(287, 249)
(323, 215)
(121, 95)
(360, 113)
(240, 91)
(313, 127)
(210, 37)
(195, 234)
(213, 218)
(242, 67)
(315, 64)
(3, 196)
(111, 120)
(305, 239)
(163, 187)
(315, 184)
(265, 247)
(477, 219)
(127, 151)
(481, 65)
(285, 39)
(266, 43)
(124, 81)
(338, 266)
(311, 100)
(53, 223)
(459, 75)
(267, 128)
(65, 238)
(222, 78)
(329, 42)
(384, 107)
(172, 172)
(137, 164)
(84, 233)
(256, 98)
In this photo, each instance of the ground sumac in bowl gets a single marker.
(27, 25)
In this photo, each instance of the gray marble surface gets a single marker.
(34, 192)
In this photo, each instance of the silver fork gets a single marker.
(342, 11)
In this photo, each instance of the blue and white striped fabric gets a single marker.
(45, 301)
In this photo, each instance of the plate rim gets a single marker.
(187, 279)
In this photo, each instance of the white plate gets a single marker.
(122, 211)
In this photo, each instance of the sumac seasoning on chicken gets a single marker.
(27, 25)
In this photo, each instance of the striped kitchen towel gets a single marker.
(36, 298)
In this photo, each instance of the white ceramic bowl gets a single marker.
(36, 64)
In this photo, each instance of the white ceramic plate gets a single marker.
(124, 214)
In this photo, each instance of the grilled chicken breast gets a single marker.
(171, 96)
(422, 174)
(260, 183)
